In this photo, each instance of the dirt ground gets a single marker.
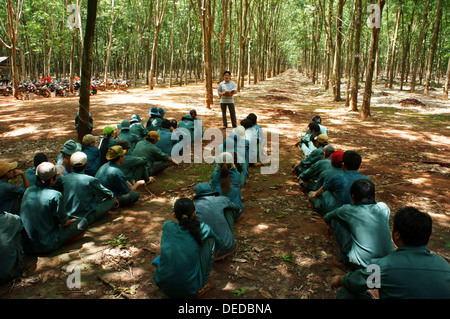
(405, 150)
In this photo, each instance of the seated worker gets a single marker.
(69, 148)
(226, 180)
(187, 123)
(187, 254)
(241, 151)
(84, 196)
(260, 142)
(336, 168)
(184, 138)
(112, 177)
(157, 160)
(88, 147)
(11, 249)
(30, 173)
(136, 126)
(220, 213)
(10, 194)
(165, 142)
(198, 127)
(251, 135)
(45, 220)
(319, 141)
(308, 177)
(126, 134)
(361, 230)
(90, 125)
(134, 167)
(305, 143)
(410, 272)
(335, 191)
(317, 119)
(154, 121)
(110, 138)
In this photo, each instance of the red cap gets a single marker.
(337, 156)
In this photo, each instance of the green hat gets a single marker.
(108, 130)
(70, 147)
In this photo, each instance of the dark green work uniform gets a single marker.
(408, 273)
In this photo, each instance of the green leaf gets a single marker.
(287, 257)
(239, 292)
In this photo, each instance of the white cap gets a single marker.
(225, 157)
(78, 159)
(47, 170)
(240, 130)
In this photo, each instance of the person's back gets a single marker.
(165, 142)
(411, 272)
(187, 123)
(414, 273)
(113, 178)
(11, 261)
(187, 253)
(82, 194)
(227, 181)
(157, 160)
(212, 210)
(362, 230)
(94, 159)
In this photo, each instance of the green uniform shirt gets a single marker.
(408, 273)
(134, 168)
(82, 193)
(369, 228)
(179, 273)
(43, 213)
(313, 172)
(11, 261)
(8, 194)
(151, 152)
(112, 177)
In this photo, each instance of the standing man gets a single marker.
(226, 90)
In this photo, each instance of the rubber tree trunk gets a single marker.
(356, 57)
(365, 112)
(434, 41)
(419, 48)
(86, 66)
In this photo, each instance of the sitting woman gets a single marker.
(226, 179)
(187, 254)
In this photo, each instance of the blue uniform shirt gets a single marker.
(113, 178)
(82, 193)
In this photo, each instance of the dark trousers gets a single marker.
(230, 106)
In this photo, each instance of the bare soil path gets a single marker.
(405, 150)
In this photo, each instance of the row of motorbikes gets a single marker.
(61, 87)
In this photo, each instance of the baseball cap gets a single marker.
(321, 138)
(6, 166)
(337, 156)
(115, 152)
(240, 130)
(89, 138)
(225, 157)
(108, 130)
(78, 159)
(153, 135)
(47, 170)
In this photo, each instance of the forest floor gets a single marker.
(405, 151)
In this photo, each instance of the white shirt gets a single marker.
(224, 87)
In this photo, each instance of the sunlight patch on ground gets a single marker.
(258, 229)
(31, 129)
